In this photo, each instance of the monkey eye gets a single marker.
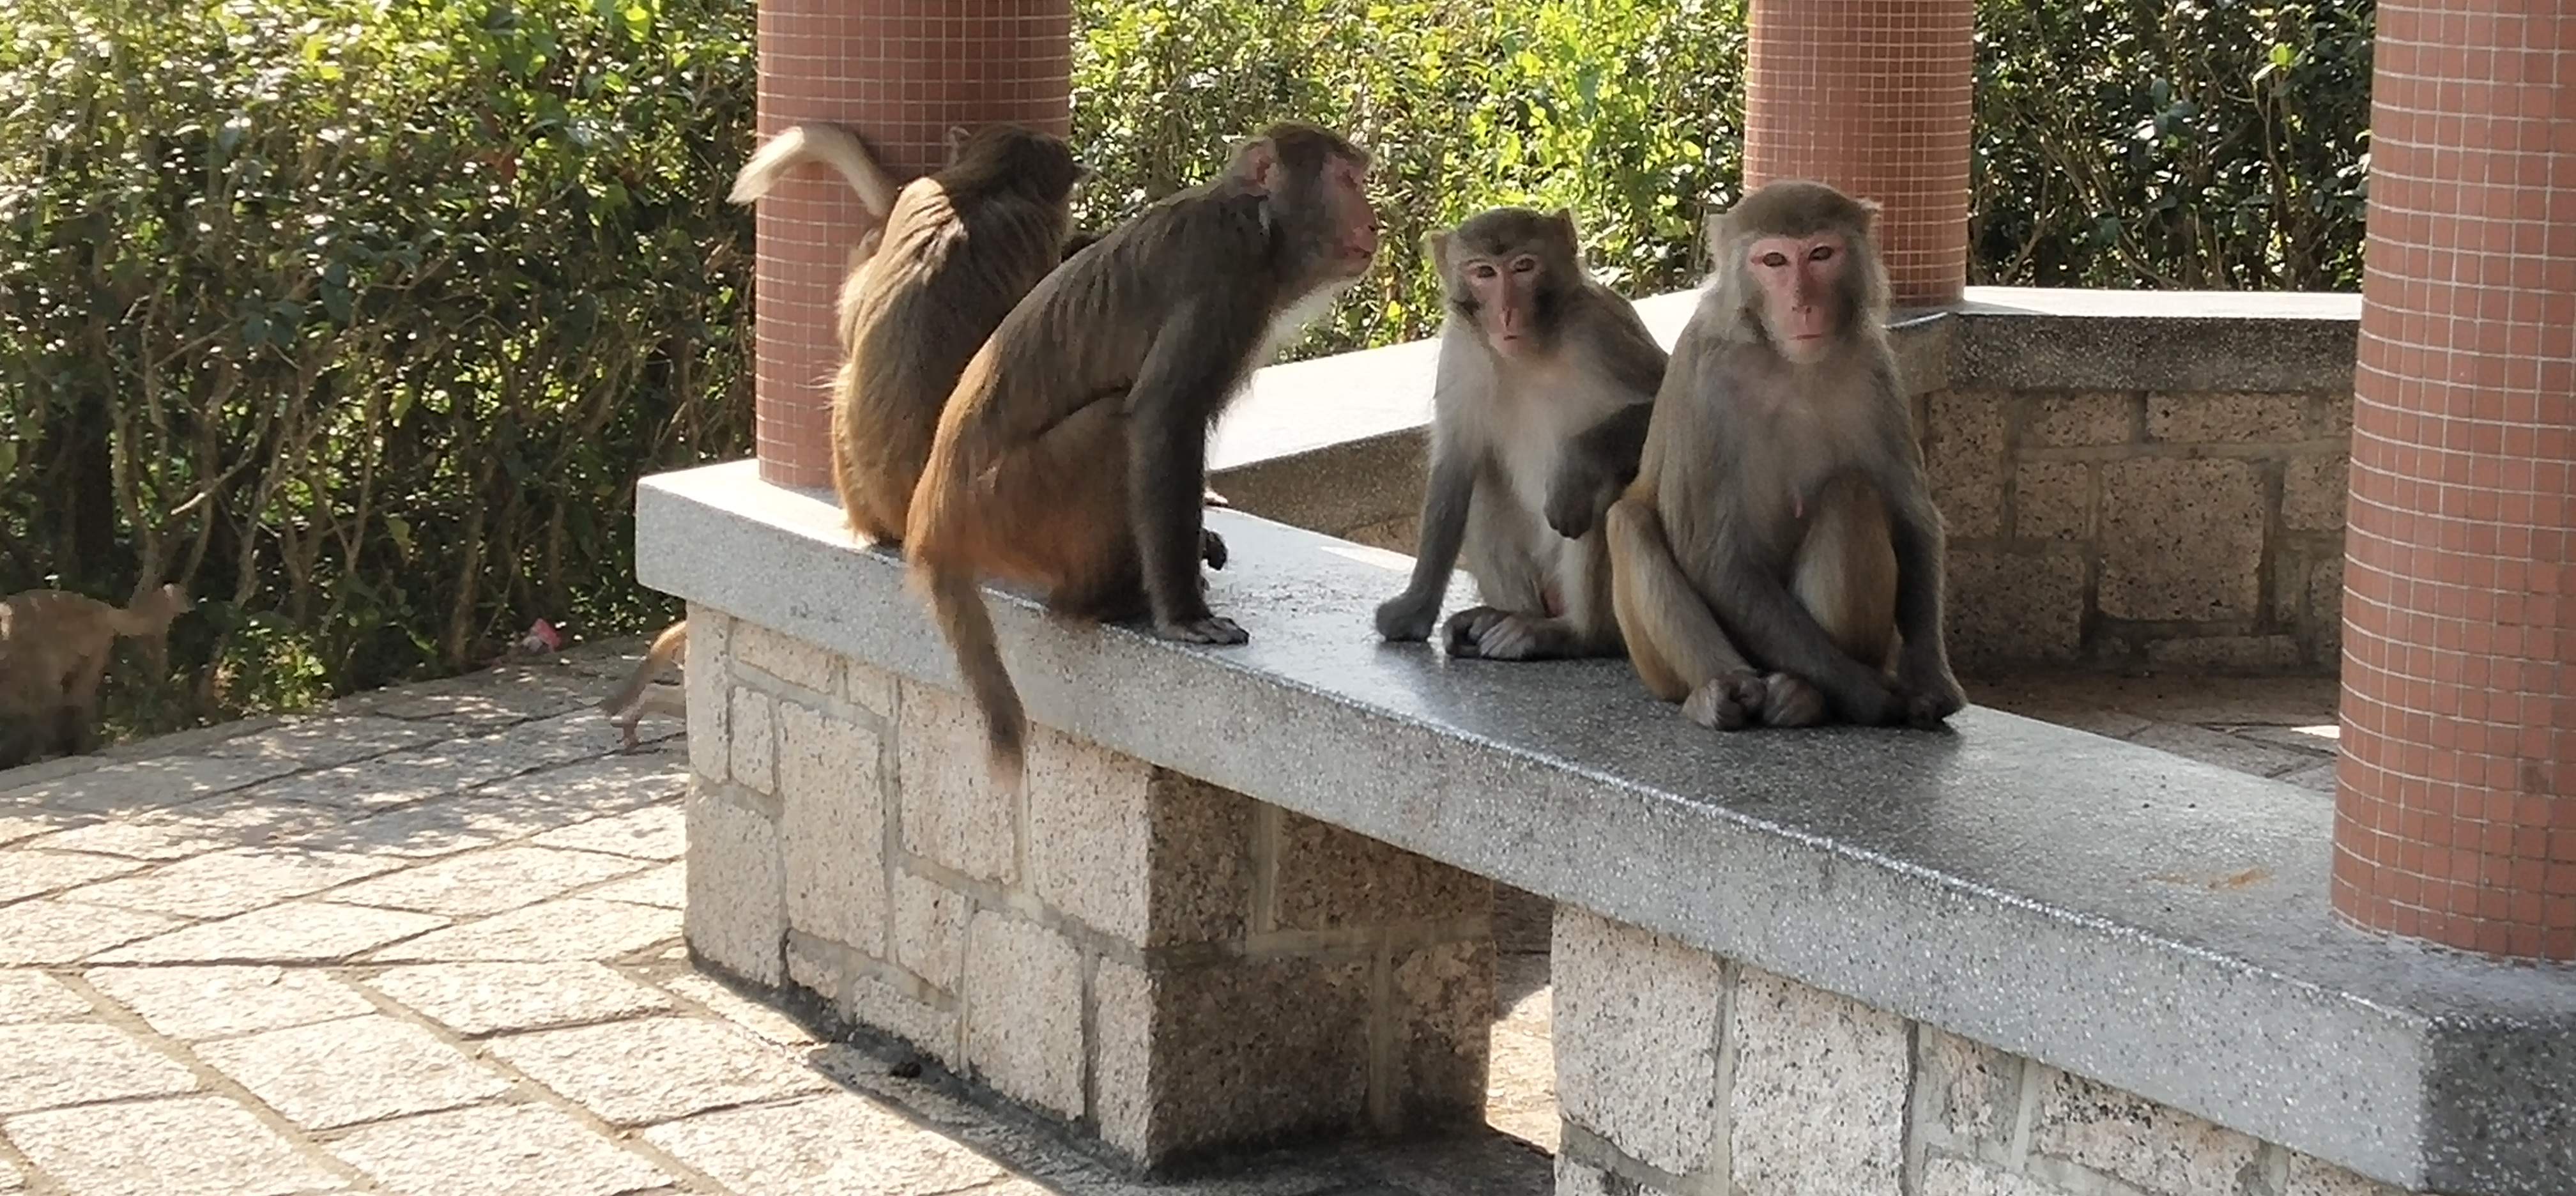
(1820, 253)
(1524, 265)
(1480, 270)
(1775, 259)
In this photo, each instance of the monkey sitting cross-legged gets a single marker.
(54, 650)
(1779, 538)
(1545, 385)
(1072, 456)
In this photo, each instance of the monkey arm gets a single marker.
(1923, 659)
(1594, 467)
(1193, 365)
(1445, 499)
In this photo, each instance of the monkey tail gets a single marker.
(666, 647)
(959, 607)
(828, 144)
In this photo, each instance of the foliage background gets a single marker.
(361, 317)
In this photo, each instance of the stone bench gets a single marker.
(1245, 899)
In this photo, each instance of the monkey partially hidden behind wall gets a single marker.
(955, 250)
(1545, 385)
(1779, 540)
(1072, 456)
(55, 647)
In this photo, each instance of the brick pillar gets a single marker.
(2455, 819)
(1874, 97)
(900, 72)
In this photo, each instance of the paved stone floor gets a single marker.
(428, 941)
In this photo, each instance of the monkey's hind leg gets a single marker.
(1673, 639)
(1845, 576)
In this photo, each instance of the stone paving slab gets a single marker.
(427, 941)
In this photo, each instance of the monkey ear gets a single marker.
(957, 135)
(1869, 211)
(1255, 165)
(1563, 219)
(1713, 231)
(1435, 245)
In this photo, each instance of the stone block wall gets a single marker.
(1170, 966)
(1685, 1074)
(2181, 532)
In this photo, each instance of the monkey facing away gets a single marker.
(1779, 540)
(955, 250)
(1072, 456)
(958, 248)
(55, 647)
(1545, 384)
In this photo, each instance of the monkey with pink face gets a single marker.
(1545, 382)
(1778, 558)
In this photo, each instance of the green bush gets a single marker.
(362, 316)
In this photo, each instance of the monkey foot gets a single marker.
(1214, 629)
(1208, 497)
(1730, 702)
(1791, 702)
(1493, 634)
(1212, 549)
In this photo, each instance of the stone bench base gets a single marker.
(1683, 1073)
(1169, 965)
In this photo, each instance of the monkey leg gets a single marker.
(1513, 559)
(1578, 621)
(1053, 512)
(1844, 574)
(1674, 640)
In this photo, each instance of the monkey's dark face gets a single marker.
(1806, 290)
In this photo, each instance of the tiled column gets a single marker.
(901, 72)
(2456, 817)
(1874, 97)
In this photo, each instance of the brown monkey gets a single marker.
(638, 696)
(957, 249)
(1073, 454)
(1545, 381)
(54, 650)
(1779, 539)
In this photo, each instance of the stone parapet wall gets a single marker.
(2189, 532)
(1171, 966)
(1687, 1074)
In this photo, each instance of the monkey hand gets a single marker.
(1408, 616)
(1202, 629)
(1931, 698)
(1212, 548)
(1576, 497)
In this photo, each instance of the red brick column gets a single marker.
(2455, 819)
(900, 72)
(1875, 97)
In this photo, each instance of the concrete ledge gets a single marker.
(2149, 922)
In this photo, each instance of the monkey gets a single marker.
(55, 647)
(638, 696)
(1073, 455)
(950, 254)
(1778, 557)
(956, 250)
(1539, 404)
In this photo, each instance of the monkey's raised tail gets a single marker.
(830, 145)
(959, 606)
